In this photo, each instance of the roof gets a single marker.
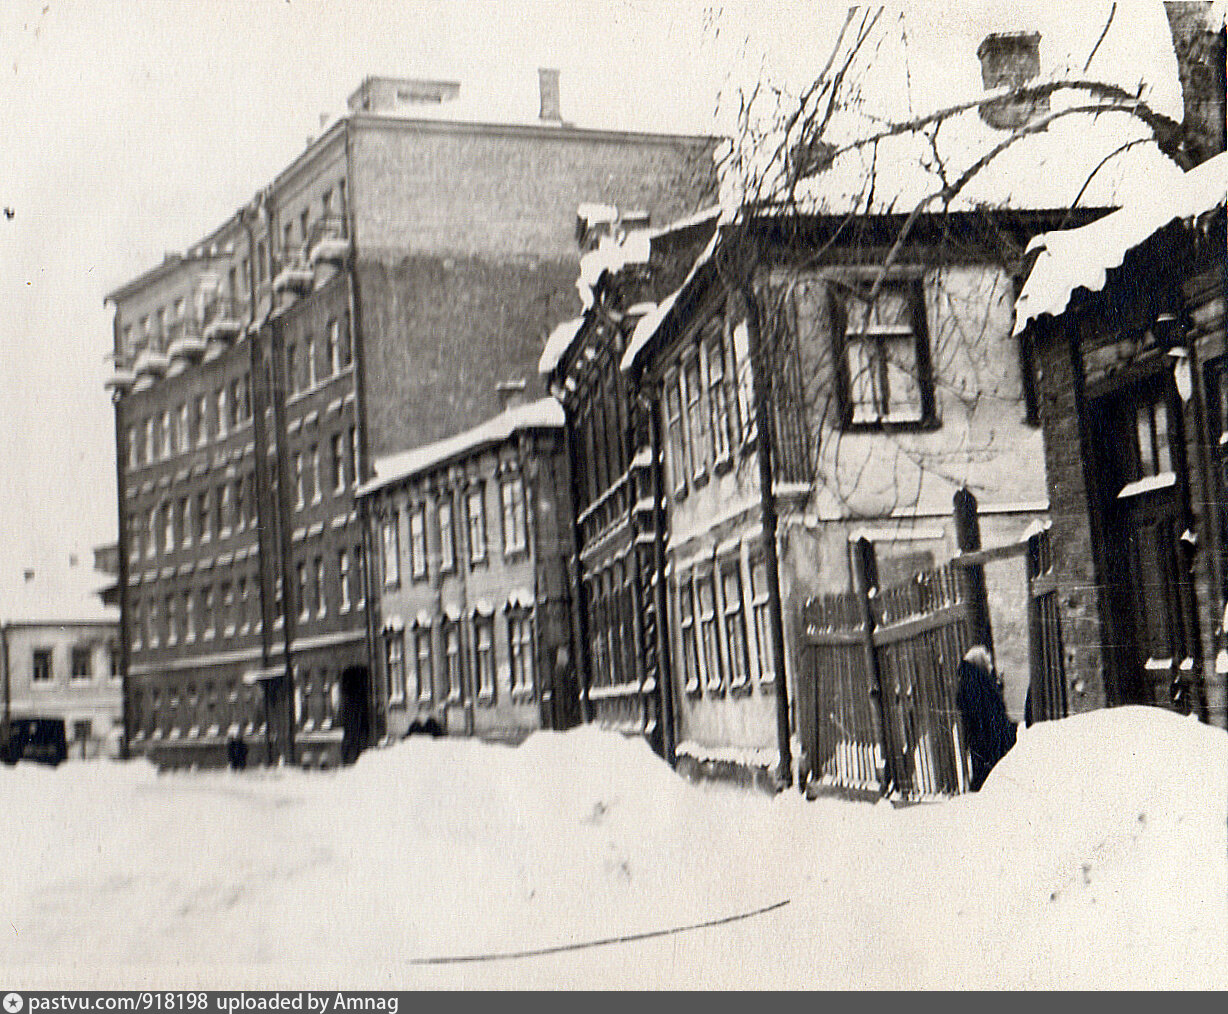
(543, 414)
(558, 343)
(915, 65)
(57, 593)
(1081, 258)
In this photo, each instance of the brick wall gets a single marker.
(1074, 549)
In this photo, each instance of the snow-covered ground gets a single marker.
(1096, 855)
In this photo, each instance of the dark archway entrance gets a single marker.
(355, 714)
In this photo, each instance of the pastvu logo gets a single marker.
(13, 1003)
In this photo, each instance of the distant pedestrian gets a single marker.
(988, 730)
(236, 753)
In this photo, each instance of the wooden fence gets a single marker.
(876, 694)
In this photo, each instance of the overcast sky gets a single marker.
(133, 128)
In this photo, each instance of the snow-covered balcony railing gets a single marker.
(185, 340)
(122, 377)
(328, 241)
(295, 275)
(152, 362)
(223, 318)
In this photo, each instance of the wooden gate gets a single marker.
(876, 697)
(877, 703)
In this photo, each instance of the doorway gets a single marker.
(355, 714)
(1152, 625)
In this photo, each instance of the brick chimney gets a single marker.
(548, 86)
(512, 393)
(1010, 59)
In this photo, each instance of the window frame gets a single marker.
(390, 548)
(483, 659)
(79, 652)
(419, 567)
(447, 533)
(518, 540)
(522, 674)
(394, 666)
(840, 292)
(425, 679)
(476, 523)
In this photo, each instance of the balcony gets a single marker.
(328, 241)
(223, 318)
(152, 362)
(295, 276)
(121, 379)
(185, 340)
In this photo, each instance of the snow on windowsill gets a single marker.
(1148, 484)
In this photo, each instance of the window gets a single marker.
(185, 521)
(392, 551)
(333, 348)
(203, 516)
(1153, 453)
(315, 473)
(227, 623)
(344, 343)
(167, 435)
(206, 611)
(520, 644)
(417, 543)
(686, 629)
(304, 598)
(452, 660)
(236, 403)
(336, 446)
(202, 420)
(138, 627)
(447, 536)
(484, 658)
(705, 596)
(343, 579)
(189, 617)
(172, 621)
(354, 470)
(885, 376)
(699, 441)
(718, 395)
(299, 499)
(475, 510)
(245, 623)
(425, 670)
(321, 598)
(221, 412)
(154, 627)
(735, 625)
(113, 661)
(360, 572)
(134, 448)
(221, 510)
(149, 440)
(679, 469)
(394, 665)
(238, 516)
(151, 533)
(82, 730)
(168, 528)
(759, 609)
(513, 515)
(184, 429)
(82, 663)
(309, 354)
(292, 384)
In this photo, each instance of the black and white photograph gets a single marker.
(609, 495)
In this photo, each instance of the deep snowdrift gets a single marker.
(1096, 855)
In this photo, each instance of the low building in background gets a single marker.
(472, 615)
(59, 655)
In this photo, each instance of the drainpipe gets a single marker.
(121, 469)
(767, 510)
(665, 669)
(362, 464)
(8, 702)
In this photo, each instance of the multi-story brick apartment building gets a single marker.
(367, 300)
(473, 604)
(59, 655)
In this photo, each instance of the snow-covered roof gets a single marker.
(56, 593)
(612, 253)
(1081, 258)
(914, 64)
(543, 414)
(558, 343)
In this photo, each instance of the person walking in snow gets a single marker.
(988, 730)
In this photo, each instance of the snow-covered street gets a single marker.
(1095, 856)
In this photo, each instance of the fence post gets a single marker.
(865, 568)
(968, 538)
